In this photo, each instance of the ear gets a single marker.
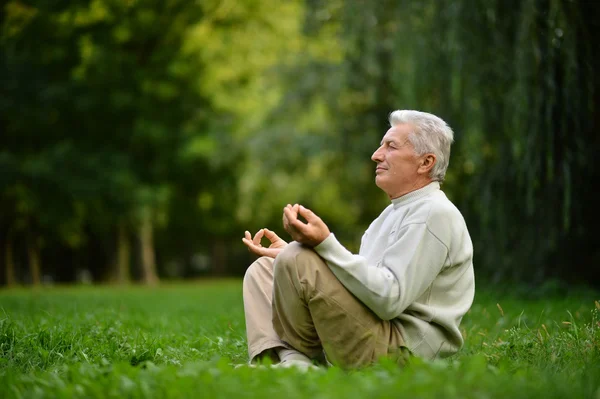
(426, 164)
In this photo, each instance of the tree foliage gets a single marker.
(155, 133)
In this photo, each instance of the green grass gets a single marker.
(180, 340)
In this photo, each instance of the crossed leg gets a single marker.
(296, 302)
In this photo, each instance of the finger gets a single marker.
(296, 227)
(290, 230)
(289, 214)
(285, 223)
(248, 243)
(299, 225)
(247, 235)
(253, 248)
(258, 236)
(292, 215)
(293, 209)
(307, 214)
(298, 208)
(286, 217)
(271, 236)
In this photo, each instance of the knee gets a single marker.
(258, 269)
(290, 252)
(291, 257)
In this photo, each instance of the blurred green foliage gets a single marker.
(142, 138)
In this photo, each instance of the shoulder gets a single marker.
(436, 211)
(444, 220)
(432, 207)
(441, 208)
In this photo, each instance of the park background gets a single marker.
(140, 139)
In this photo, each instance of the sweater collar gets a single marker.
(417, 194)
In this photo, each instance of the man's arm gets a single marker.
(407, 268)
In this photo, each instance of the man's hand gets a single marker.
(254, 245)
(311, 233)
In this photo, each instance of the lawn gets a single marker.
(181, 340)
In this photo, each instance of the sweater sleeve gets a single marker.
(407, 268)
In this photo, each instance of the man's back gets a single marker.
(435, 275)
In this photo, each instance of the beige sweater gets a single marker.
(415, 267)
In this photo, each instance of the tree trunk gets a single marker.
(219, 257)
(9, 263)
(123, 255)
(35, 269)
(149, 275)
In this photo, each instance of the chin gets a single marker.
(381, 184)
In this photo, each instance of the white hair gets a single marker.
(430, 135)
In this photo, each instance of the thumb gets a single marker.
(307, 214)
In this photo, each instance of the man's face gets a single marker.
(397, 164)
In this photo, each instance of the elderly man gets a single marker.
(406, 291)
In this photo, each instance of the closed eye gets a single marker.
(393, 145)
(388, 144)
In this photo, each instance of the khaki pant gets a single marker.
(297, 302)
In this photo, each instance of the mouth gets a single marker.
(380, 169)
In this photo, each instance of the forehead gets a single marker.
(397, 133)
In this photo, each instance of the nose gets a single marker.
(377, 155)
